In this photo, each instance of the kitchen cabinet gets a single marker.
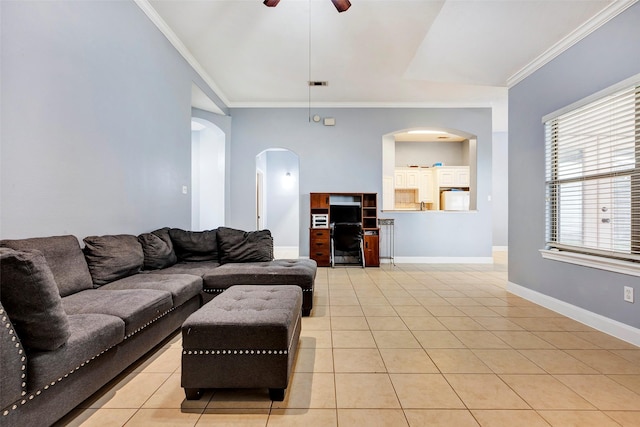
(417, 186)
(407, 178)
(452, 176)
(463, 177)
(400, 179)
(413, 178)
(420, 179)
(425, 187)
(445, 177)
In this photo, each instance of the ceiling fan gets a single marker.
(341, 5)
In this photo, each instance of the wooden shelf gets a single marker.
(319, 238)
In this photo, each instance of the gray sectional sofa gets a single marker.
(73, 318)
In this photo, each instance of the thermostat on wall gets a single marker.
(329, 121)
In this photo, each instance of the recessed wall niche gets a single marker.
(426, 149)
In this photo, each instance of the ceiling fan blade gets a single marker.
(341, 5)
(271, 3)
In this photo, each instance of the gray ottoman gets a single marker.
(299, 272)
(246, 337)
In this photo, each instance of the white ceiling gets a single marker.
(378, 53)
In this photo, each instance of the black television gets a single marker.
(345, 213)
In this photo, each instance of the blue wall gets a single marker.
(347, 157)
(605, 57)
(282, 215)
(96, 108)
(96, 136)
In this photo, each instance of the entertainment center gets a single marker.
(327, 208)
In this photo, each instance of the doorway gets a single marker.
(207, 175)
(278, 199)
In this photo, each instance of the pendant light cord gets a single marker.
(309, 65)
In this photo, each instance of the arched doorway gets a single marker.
(207, 175)
(278, 199)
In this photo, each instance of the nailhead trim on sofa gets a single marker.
(149, 323)
(219, 291)
(7, 411)
(18, 345)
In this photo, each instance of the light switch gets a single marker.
(185, 190)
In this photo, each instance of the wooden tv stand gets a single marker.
(319, 233)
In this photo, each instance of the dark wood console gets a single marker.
(320, 218)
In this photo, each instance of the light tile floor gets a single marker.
(410, 345)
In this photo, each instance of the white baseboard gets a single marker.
(443, 260)
(604, 324)
(500, 248)
(286, 252)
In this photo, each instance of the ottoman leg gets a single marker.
(193, 393)
(276, 394)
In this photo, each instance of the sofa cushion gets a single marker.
(64, 258)
(196, 268)
(31, 298)
(195, 245)
(113, 257)
(136, 307)
(91, 334)
(244, 246)
(158, 249)
(182, 287)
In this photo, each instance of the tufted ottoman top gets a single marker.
(301, 272)
(245, 318)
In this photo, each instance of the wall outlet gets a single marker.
(628, 294)
(185, 189)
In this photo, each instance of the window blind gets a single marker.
(593, 176)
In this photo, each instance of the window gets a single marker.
(593, 175)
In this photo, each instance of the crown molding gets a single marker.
(611, 11)
(173, 38)
(301, 104)
(608, 13)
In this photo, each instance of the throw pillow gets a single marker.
(158, 249)
(64, 257)
(30, 297)
(195, 245)
(112, 257)
(244, 246)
